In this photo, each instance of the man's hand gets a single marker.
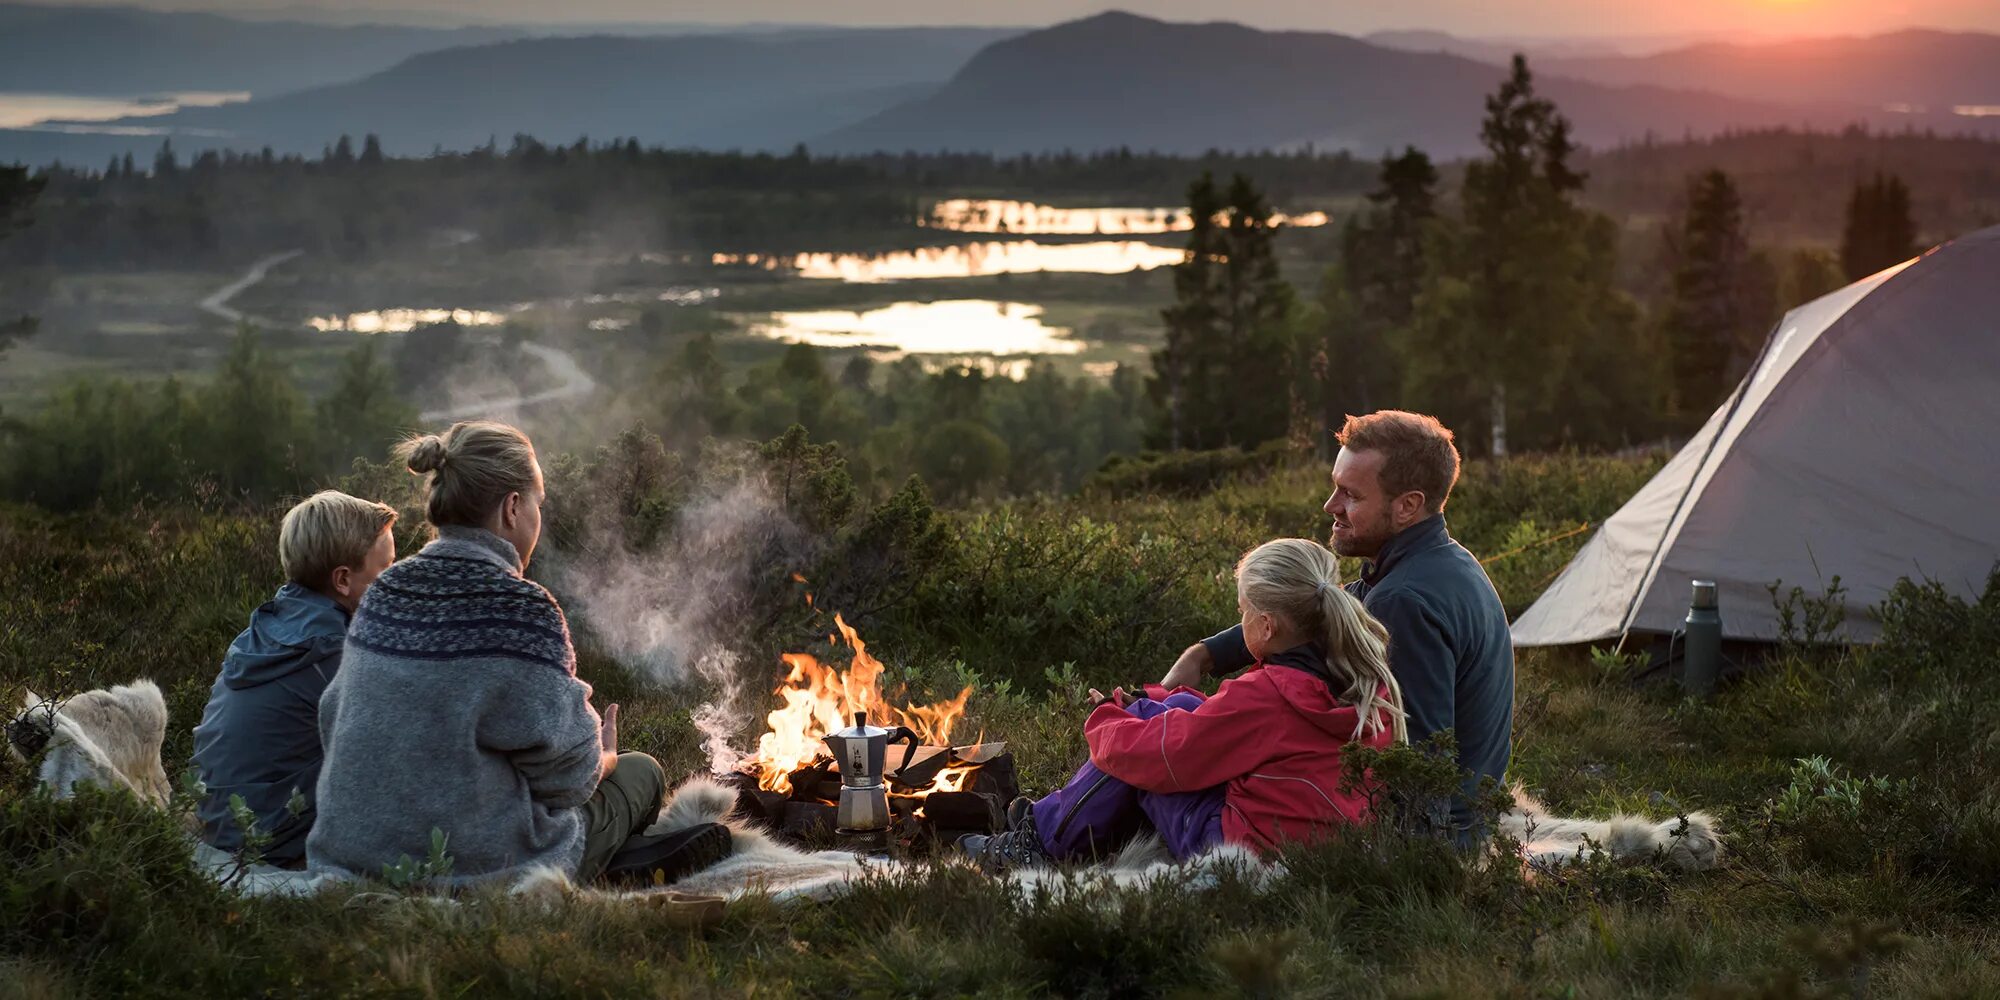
(1189, 669)
(607, 740)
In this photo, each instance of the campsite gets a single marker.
(1381, 519)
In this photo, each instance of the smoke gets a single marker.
(673, 615)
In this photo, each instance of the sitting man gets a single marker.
(259, 736)
(1449, 647)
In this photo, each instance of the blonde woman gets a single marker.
(458, 708)
(1257, 764)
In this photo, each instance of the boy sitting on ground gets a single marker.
(259, 736)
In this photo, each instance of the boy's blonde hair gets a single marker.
(1300, 580)
(326, 531)
(472, 466)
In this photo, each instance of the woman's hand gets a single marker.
(607, 738)
(607, 730)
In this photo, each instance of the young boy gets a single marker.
(259, 736)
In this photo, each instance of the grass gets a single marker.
(1835, 885)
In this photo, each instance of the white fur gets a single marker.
(109, 738)
(113, 737)
(1691, 843)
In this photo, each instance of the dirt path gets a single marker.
(572, 380)
(218, 303)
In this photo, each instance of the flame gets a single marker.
(818, 699)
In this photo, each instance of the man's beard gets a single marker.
(1360, 546)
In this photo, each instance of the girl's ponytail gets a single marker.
(1359, 643)
(1300, 580)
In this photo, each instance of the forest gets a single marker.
(1401, 302)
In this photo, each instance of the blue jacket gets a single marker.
(259, 736)
(1448, 647)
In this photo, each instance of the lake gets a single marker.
(1027, 218)
(967, 260)
(77, 112)
(959, 327)
(403, 320)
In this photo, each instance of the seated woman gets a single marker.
(457, 707)
(1259, 763)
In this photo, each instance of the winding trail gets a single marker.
(218, 303)
(572, 382)
(575, 382)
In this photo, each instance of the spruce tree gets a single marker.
(1879, 231)
(1366, 300)
(17, 190)
(1220, 378)
(1720, 298)
(1519, 330)
(1180, 366)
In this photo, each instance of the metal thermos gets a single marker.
(859, 752)
(1701, 657)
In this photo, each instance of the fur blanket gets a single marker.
(113, 737)
(110, 737)
(762, 864)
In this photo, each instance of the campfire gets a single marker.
(792, 782)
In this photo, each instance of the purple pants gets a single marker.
(1095, 814)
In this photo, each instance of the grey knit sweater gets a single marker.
(457, 707)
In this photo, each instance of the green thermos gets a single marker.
(1701, 656)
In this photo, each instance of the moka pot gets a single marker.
(859, 752)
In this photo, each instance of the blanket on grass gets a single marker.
(113, 737)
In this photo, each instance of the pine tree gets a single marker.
(165, 163)
(362, 414)
(1180, 366)
(1251, 406)
(1229, 329)
(17, 190)
(252, 416)
(1720, 301)
(1519, 329)
(371, 151)
(1367, 299)
(1879, 231)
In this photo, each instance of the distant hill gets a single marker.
(705, 91)
(1933, 70)
(1119, 79)
(126, 51)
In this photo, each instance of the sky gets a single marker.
(1492, 18)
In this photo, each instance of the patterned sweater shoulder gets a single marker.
(462, 597)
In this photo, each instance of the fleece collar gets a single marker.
(1429, 533)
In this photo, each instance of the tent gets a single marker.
(1864, 443)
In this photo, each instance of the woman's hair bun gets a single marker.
(426, 453)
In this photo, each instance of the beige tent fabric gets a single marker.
(1865, 443)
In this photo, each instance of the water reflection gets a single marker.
(994, 215)
(964, 326)
(403, 320)
(967, 260)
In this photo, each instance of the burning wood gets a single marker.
(793, 781)
(819, 700)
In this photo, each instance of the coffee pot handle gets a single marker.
(898, 735)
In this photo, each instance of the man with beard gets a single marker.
(1448, 642)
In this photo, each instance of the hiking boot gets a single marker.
(665, 858)
(1020, 813)
(1019, 847)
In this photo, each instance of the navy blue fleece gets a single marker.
(1448, 647)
